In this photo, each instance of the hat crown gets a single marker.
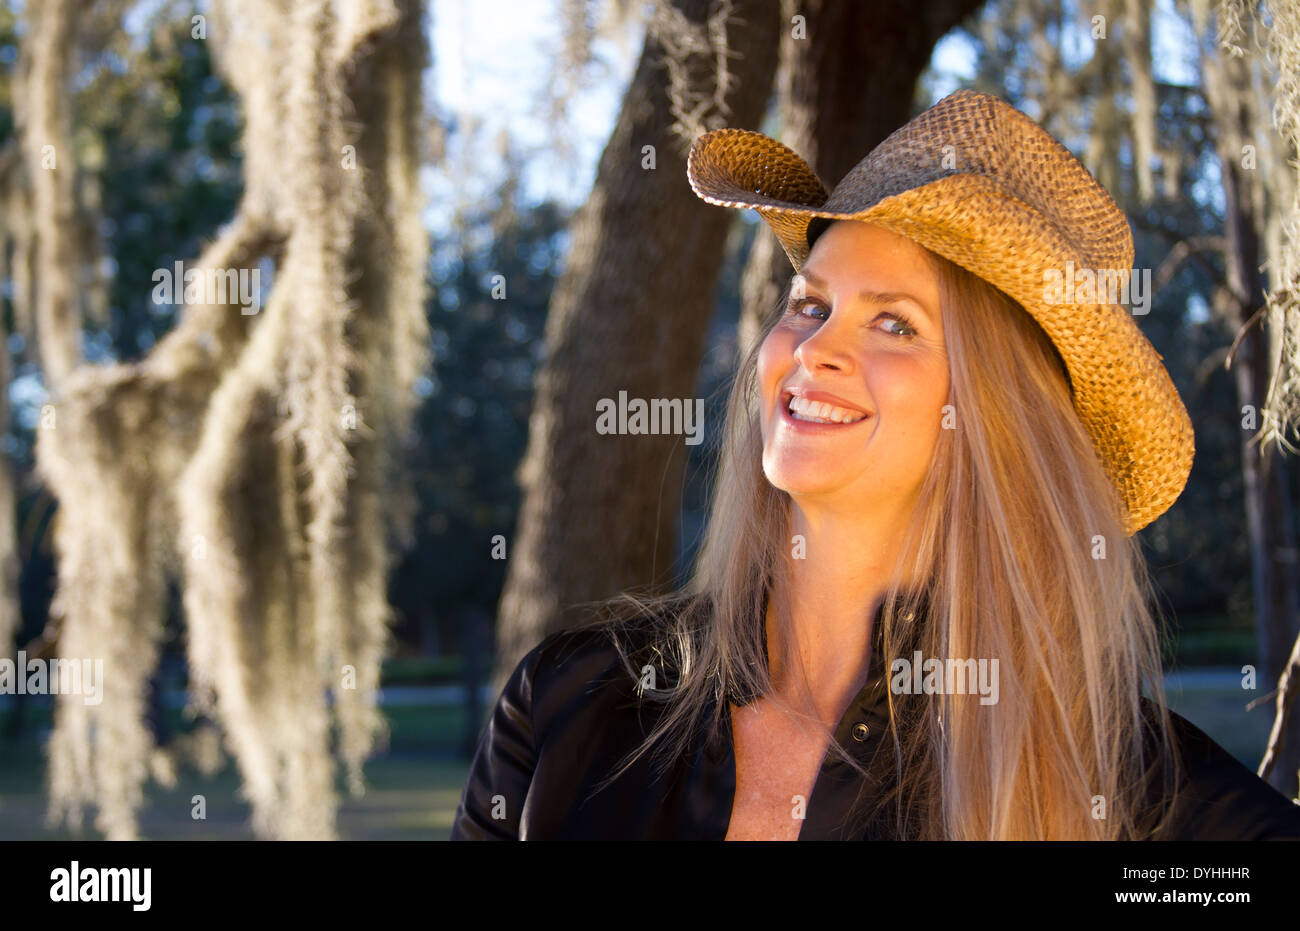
(969, 133)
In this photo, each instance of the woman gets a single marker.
(920, 611)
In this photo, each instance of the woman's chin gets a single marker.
(800, 482)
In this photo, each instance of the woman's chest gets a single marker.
(778, 761)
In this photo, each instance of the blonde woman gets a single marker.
(920, 611)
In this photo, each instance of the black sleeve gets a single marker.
(502, 769)
(1220, 799)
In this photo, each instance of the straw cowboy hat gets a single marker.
(978, 182)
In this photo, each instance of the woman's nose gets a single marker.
(826, 347)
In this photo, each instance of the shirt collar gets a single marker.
(870, 707)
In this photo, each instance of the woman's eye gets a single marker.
(903, 325)
(798, 307)
(901, 321)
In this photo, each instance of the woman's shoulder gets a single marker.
(1219, 798)
(590, 662)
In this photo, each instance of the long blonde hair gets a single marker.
(1019, 533)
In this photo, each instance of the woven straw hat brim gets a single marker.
(1122, 392)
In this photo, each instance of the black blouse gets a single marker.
(569, 714)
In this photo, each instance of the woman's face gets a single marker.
(863, 335)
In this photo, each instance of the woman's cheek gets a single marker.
(770, 368)
(775, 359)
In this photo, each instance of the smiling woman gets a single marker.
(837, 356)
(923, 460)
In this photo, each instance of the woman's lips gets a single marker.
(823, 397)
(811, 426)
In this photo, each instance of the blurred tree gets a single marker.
(250, 452)
(156, 159)
(1259, 173)
(630, 314)
(473, 422)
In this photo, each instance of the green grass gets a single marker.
(1222, 714)
(1210, 640)
(413, 728)
(423, 670)
(408, 797)
(411, 789)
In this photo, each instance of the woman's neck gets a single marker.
(838, 573)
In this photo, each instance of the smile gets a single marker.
(800, 409)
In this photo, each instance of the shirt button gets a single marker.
(860, 732)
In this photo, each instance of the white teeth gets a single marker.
(821, 412)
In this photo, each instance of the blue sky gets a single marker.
(492, 60)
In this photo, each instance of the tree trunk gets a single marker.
(631, 312)
(846, 86)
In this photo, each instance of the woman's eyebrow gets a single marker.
(868, 296)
